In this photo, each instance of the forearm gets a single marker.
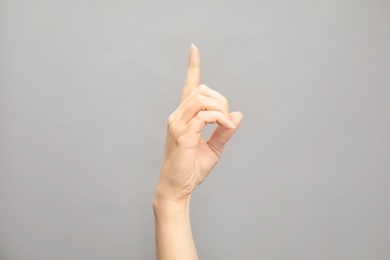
(173, 230)
(188, 159)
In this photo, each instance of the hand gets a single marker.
(188, 158)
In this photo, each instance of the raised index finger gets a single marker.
(193, 73)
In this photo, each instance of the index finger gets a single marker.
(193, 73)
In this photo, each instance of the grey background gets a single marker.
(86, 88)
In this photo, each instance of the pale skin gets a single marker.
(188, 160)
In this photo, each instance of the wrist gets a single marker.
(164, 203)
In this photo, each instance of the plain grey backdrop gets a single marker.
(86, 88)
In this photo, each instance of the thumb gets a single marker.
(221, 135)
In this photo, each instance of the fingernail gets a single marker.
(192, 46)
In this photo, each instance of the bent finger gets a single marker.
(201, 103)
(205, 91)
(202, 118)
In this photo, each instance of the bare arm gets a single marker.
(188, 159)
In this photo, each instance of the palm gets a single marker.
(205, 160)
(198, 160)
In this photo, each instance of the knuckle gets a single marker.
(175, 133)
(180, 139)
(171, 119)
(199, 115)
(225, 101)
(198, 99)
(203, 88)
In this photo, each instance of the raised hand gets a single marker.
(188, 158)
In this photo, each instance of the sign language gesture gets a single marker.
(188, 158)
